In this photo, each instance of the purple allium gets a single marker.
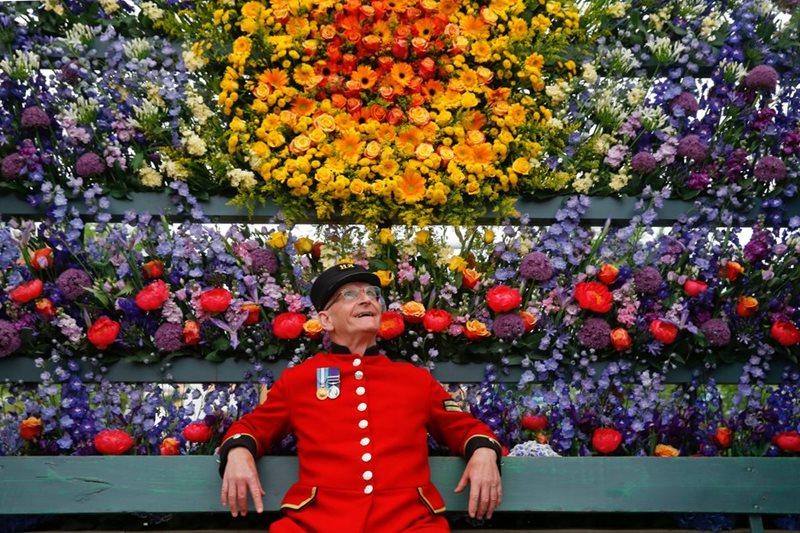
(647, 280)
(169, 337)
(508, 326)
(770, 168)
(35, 118)
(762, 77)
(89, 164)
(12, 165)
(9, 338)
(692, 147)
(685, 101)
(716, 331)
(263, 259)
(73, 282)
(644, 162)
(595, 333)
(536, 266)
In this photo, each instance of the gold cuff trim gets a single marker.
(428, 503)
(464, 448)
(241, 434)
(303, 503)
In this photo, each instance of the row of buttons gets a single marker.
(363, 424)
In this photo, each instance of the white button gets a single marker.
(362, 406)
(365, 441)
(368, 489)
(359, 374)
(360, 391)
(367, 475)
(363, 424)
(367, 457)
(356, 362)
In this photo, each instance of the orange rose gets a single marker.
(313, 328)
(170, 446)
(42, 258)
(476, 330)
(608, 274)
(593, 296)
(30, 428)
(470, 278)
(747, 306)
(392, 325)
(253, 313)
(621, 339)
(731, 271)
(413, 312)
(529, 319)
(664, 450)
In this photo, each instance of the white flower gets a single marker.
(636, 96)
(620, 60)
(173, 169)
(152, 11)
(242, 179)
(617, 9)
(589, 73)
(200, 111)
(136, 48)
(150, 177)
(711, 23)
(192, 61)
(619, 180)
(664, 49)
(21, 65)
(193, 143)
(109, 6)
(583, 183)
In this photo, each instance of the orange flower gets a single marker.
(664, 450)
(402, 74)
(413, 312)
(476, 330)
(348, 145)
(411, 186)
(747, 306)
(482, 154)
(731, 271)
(473, 120)
(474, 27)
(303, 106)
(431, 89)
(425, 28)
(274, 77)
(364, 76)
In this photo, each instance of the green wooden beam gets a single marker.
(154, 484)
(191, 370)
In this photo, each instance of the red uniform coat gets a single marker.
(364, 455)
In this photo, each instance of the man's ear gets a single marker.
(325, 319)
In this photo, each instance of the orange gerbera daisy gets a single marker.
(473, 120)
(426, 28)
(303, 106)
(474, 27)
(275, 77)
(398, 6)
(383, 32)
(364, 76)
(348, 145)
(410, 186)
(350, 22)
(385, 133)
(431, 89)
(482, 153)
(409, 138)
(402, 74)
(463, 153)
(448, 7)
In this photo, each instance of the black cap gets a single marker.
(331, 279)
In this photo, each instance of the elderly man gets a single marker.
(361, 422)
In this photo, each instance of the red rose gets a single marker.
(27, 291)
(392, 325)
(788, 441)
(153, 269)
(103, 332)
(45, 308)
(529, 319)
(253, 313)
(288, 325)
(502, 298)
(746, 306)
(170, 446)
(436, 320)
(608, 274)
(470, 278)
(663, 331)
(694, 287)
(215, 300)
(606, 440)
(593, 296)
(316, 250)
(621, 339)
(534, 422)
(400, 49)
(42, 258)
(153, 296)
(191, 332)
(785, 333)
(395, 116)
(197, 432)
(112, 442)
(723, 437)
(30, 428)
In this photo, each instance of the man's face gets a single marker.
(352, 311)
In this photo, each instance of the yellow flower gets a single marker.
(249, 25)
(358, 187)
(385, 236)
(477, 328)
(300, 144)
(312, 327)
(424, 151)
(303, 245)
(419, 115)
(252, 9)
(242, 45)
(469, 100)
(413, 310)
(422, 237)
(664, 450)
(481, 51)
(304, 75)
(278, 239)
(373, 149)
(521, 165)
(275, 139)
(387, 168)
(386, 277)
(488, 236)
(457, 263)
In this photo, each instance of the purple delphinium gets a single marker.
(717, 332)
(35, 118)
(595, 333)
(12, 165)
(169, 337)
(692, 147)
(263, 260)
(10, 341)
(770, 168)
(647, 280)
(89, 164)
(762, 77)
(536, 266)
(73, 282)
(643, 162)
(508, 326)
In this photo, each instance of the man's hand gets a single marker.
(485, 488)
(240, 476)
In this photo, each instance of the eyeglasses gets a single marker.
(351, 294)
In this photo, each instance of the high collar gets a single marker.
(338, 348)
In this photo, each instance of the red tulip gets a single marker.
(788, 441)
(436, 320)
(785, 332)
(153, 269)
(392, 325)
(112, 442)
(215, 300)
(288, 325)
(534, 422)
(152, 296)
(170, 446)
(663, 331)
(593, 296)
(30, 428)
(42, 258)
(27, 291)
(502, 298)
(621, 339)
(103, 332)
(191, 332)
(723, 437)
(608, 274)
(253, 313)
(694, 287)
(197, 432)
(606, 440)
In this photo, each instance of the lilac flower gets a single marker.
(35, 118)
(73, 282)
(10, 340)
(643, 162)
(717, 332)
(647, 280)
(762, 77)
(89, 164)
(508, 326)
(770, 168)
(692, 147)
(536, 266)
(169, 337)
(595, 334)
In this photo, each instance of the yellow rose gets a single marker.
(488, 236)
(303, 245)
(521, 165)
(413, 311)
(473, 187)
(422, 236)
(373, 149)
(278, 239)
(475, 137)
(317, 136)
(357, 186)
(664, 450)
(457, 263)
(386, 277)
(419, 115)
(325, 122)
(300, 144)
(385, 236)
(423, 151)
(259, 148)
(252, 9)
(275, 139)
(248, 25)
(469, 100)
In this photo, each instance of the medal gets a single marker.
(322, 393)
(328, 383)
(333, 392)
